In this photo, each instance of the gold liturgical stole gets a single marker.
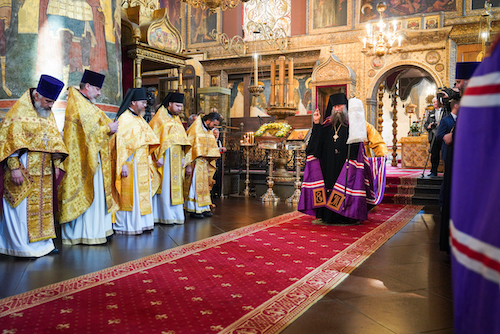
(24, 130)
(15, 194)
(134, 137)
(86, 134)
(170, 131)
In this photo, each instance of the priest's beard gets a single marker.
(341, 117)
(42, 112)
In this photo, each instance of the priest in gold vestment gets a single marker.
(200, 164)
(134, 143)
(32, 152)
(169, 157)
(86, 201)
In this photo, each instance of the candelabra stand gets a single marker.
(269, 196)
(246, 192)
(294, 199)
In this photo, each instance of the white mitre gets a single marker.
(357, 122)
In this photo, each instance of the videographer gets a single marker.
(464, 71)
(444, 131)
(431, 124)
(445, 95)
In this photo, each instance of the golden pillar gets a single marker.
(380, 106)
(137, 72)
(395, 127)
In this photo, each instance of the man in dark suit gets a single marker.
(446, 127)
(431, 124)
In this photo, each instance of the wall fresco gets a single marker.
(61, 38)
(396, 8)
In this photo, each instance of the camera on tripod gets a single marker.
(448, 94)
(445, 95)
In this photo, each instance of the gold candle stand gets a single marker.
(294, 199)
(256, 90)
(270, 196)
(246, 192)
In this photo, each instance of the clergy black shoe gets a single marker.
(432, 174)
(207, 214)
(196, 215)
(54, 251)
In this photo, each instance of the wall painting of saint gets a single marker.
(201, 23)
(329, 13)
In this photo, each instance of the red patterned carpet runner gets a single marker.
(256, 279)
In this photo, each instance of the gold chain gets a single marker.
(336, 136)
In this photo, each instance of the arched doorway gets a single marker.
(405, 85)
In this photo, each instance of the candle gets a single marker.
(256, 69)
(399, 40)
(272, 97)
(364, 42)
(290, 81)
(281, 74)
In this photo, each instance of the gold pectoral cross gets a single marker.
(336, 135)
(45, 139)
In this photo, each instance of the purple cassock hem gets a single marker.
(365, 180)
(375, 175)
(365, 185)
(313, 180)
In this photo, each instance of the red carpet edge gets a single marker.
(54, 291)
(276, 312)
(324, 279)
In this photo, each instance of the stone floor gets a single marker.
(404, 287)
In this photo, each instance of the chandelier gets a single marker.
(380, 40)
(235, 44)
(276, 37)
(213, 5)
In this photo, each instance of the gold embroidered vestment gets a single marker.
(86, 134)
(134, 137)
(23, 130)
(203, 153)
(171, 133)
